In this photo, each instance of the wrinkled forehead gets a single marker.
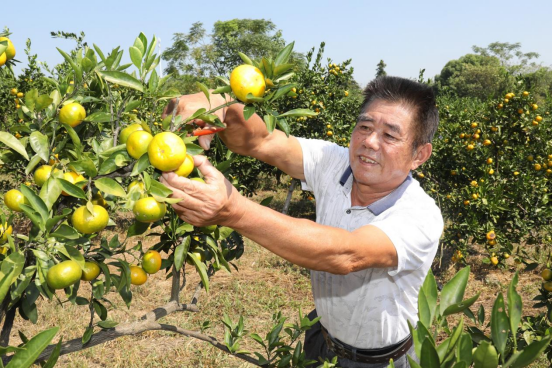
(395, 113)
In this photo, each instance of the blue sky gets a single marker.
(407, 35)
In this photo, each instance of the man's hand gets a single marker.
(189, 104)
(215, 202)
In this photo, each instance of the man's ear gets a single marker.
(422, 155)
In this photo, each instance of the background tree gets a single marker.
(510, 55)
(197, 55)
(480, 76)
(380, 70)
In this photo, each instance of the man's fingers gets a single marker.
(206, 168)
(205, 141)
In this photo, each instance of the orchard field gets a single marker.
(98, 270)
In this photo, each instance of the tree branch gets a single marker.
(146, 323)
(123, 172)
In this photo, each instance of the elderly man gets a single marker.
(376, 231)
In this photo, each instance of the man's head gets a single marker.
(393, 133)
(416, 97)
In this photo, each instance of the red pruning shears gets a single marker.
(210, 130)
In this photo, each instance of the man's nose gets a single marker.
(372, 141)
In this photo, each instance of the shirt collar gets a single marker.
(386, 202)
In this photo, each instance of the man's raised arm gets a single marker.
(247, 138)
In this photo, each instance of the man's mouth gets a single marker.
(367, 160)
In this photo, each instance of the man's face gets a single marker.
(380, 152)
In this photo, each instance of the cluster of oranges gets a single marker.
(18, 96)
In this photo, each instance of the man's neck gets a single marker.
(363, 195)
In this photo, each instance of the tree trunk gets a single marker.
(289, 194)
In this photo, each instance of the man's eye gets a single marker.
(389, 136)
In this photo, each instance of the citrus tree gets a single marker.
(93, 143)
(490, 174)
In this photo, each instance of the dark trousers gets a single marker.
(315, 348)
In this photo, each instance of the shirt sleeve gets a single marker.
(319, 158)
(415, 233)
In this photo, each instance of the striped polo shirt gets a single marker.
(370, 308)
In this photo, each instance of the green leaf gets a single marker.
(193, 149)
(54, 356)
(110, 186)
(500, 325)
(453, 291)
(6, 281)
(464, 349)
(424, 310)
(283, 90)
(36, 202)
(99, 117)
(39, 144)
(270, 122)
(107, 324)
(284, 54)
(84, 164)
(180, 252)
(159, 189)
(87, 335)
(75, 255)
(459, 307)
(245, 58)
(65, 231)
(50, 192)
(281, 69)
(529, 354)
(250, 98)
(34, 216)
(140, 165)
(32, 349)
(205, 90)
(223, 89)
(266, 201)
(298, 112)
(13, 143)
(136, 57)
(51, 222)
(43, 102)
(35, 160)
(137, 228)
(485, 356)
(71, 189)
(515, 304)
(200, 267)
(122, 79)
(429, 357)
(76, 68)
(74, 137)
(248, 111)
(283, 125)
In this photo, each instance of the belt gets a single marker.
(370, 356)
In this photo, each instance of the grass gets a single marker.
(263, 285)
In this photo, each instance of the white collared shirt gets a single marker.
(370, 308)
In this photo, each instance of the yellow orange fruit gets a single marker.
(88, 222)
(42, 174)
(13, 199)
(137, 143)
(137, 275)
(246, 79)
(10, 51)
(63, 274)
(126, 132)
(91, 271)
(72, 114)
(546, 274)
(187, 167)
(166, 151)
(149, 210)
(151, 262)
(4, 233)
